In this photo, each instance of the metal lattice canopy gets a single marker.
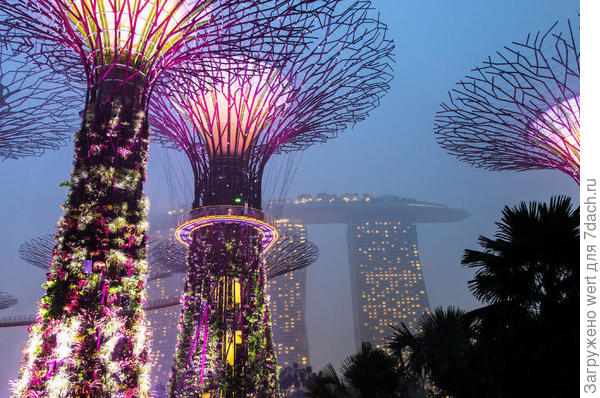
(36, 108)
(167, 256)
(38, 252)
(520, 110)
(331, 79)
(6, 300)
(288, 253)
(133, 41)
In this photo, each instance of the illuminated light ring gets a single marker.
(268, 232)
(209, 215)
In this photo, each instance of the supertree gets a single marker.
(520, 110)
(229, 130)
(6, 300)
(288, 253)
(38, 251)
(90, 336)
(167, 256)
(163, 257)
(35, 108)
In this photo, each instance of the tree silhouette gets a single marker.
(529, 277)
(370, 373)
(534, 260)
(442, 352)
(523, 342)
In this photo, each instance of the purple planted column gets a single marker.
(225, 317)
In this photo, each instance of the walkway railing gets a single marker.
(226, 210)
(26, 320)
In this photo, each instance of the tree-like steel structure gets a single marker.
(520, 110)
(90, 337)
(167, 256)
(289, 253)
(35, 108)
(163, 258)
(229, 130)
(38, 251)
(6, 300)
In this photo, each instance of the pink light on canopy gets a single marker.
(139, 40)
(557, 130)
(143, 28)
(230, 115)
(520, 109)
(323, 85)
(112, 39)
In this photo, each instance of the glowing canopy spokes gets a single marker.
(139, 40)
(141, 36)
(134, 30)
(230, 114)
(328, 81)
(557, 131)
(520, 110)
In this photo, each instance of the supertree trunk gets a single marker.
(224, 347)
(90, 338)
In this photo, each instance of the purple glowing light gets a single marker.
(87, 266)
(520, 109)
(557, 130)
(236, 109)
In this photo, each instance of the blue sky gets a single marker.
(393, 152)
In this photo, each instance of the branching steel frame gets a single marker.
(520, 110)
(229, 130)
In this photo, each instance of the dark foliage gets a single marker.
(524, 342)
(370, 373)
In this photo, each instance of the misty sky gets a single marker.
(393, 152)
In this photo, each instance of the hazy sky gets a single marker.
(393, 152)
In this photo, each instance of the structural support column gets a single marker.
(90, 337)
(224, 347)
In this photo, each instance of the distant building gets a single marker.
(387, 285)
(386, 277)
(287, 306)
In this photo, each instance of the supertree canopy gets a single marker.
(90, 337)
(38, 251)
(6, 300)
(289, 253)
(229, 129)
(163, 254)
(35, 108)
(520, 110)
